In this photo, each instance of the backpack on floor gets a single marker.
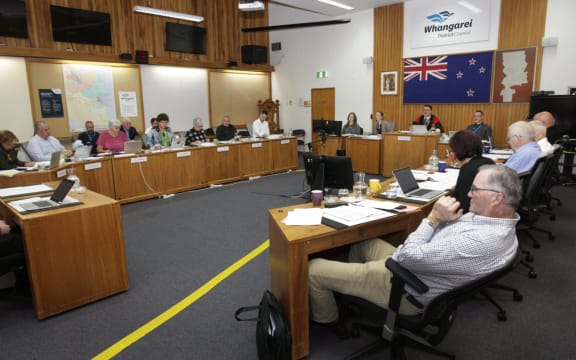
(272, 330)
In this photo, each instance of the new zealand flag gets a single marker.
(448, 79)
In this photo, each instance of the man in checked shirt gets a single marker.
(447, 250)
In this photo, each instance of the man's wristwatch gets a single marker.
(432, 222)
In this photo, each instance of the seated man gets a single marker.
(128, 130)
(89, 137)
(225, 131)
(540, 137)
(447, 250)
(42, 144)
(431, 121)
(553, 132)
(196, 135)
(12, 256)
(260, 126)
(479, 128)
(521, 139)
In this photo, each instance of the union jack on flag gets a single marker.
(422, 67)
(448, 79)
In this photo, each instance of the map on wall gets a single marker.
(89, 95)
(513, 75)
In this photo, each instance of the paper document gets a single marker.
(353, 214)
(24, 190)
(304, 217)
(9, 173)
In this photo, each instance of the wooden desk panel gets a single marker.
(255, 158)
(290, 247)
(97, 175)
(284, 154)
(75, 255)
(333, 143)
(182, 169)
(406, 150)
(138, 177)
(221, 164)
(28, 178)
(365, 154)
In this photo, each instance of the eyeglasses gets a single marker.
(511, 136)
(474, 189)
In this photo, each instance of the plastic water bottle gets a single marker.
(433, 160)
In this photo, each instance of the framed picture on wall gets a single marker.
(571, 90)
(389, 83)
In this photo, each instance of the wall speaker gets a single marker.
(277, 46)
(254, 54)
(141, 57)
(126, 56)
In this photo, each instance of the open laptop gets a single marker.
(83, 152)
(55, 159)
(419, 129)
(53, 201)
(133, 147)
(413, 192)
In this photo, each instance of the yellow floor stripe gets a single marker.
(183, 304)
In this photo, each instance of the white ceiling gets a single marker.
(325, 9)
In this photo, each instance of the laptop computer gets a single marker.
(413, 192)
(53, 201)
(55, 159)
(83, 152)
(133, 147)
(419, 129)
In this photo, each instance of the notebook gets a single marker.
(53, 201)
(133, 147)
(413, 192)
(419, 129)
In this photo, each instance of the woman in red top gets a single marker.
(112, 140)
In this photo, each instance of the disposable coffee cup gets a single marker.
(316, 196)
(441, 166)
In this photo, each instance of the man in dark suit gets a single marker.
(129, 130)
(479, 128)
(89, 137)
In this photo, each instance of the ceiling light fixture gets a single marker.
(334, 3)
(166, 13)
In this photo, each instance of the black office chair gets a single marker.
(426, 330)
(300, 135)
(551, 179)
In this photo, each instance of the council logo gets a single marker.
(440, 17)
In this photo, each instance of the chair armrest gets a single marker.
(406, 276)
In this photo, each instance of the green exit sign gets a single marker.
(321, 74)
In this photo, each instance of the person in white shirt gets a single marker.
(260, 126)
(42, 144)
(540, 137)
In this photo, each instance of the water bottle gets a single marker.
(72, 176)
(433, 160)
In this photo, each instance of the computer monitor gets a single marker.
(314, 170)
(338, 172)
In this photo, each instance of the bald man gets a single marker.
(521, 139)
(553, 132)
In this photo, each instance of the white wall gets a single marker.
(337, 49)
(558, 72)
(15, 99)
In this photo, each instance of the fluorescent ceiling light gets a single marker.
(334, 3)
(166, 13)
(470, 7)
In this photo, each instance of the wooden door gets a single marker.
(323, 104)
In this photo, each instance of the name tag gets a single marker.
(61, 173)
(137, 160)
(223, 148)
(257, 145)
(92, 166)
(284, 142)
(180, 154)
(404, 138)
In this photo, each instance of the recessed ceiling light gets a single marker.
(334, 3)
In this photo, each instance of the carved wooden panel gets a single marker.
(272, 108)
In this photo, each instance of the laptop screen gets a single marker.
(419, 129)
(62, 190)
(55, 159)
(405, 179)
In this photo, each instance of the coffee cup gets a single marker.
(442, 166)
(316, 196)
(375, 186)
(487, 149)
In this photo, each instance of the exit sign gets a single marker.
(321, 74)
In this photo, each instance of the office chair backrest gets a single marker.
(23, 153)
(534, 182)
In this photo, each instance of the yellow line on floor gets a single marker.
(183, 304)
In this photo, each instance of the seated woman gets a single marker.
(383, 126)
(352, 126)
(196, 135)
(467, 148)
(112, 140)
(9, 151)
(162, 134)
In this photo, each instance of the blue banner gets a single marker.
(448, 79)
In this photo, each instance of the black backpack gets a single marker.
(272, 330)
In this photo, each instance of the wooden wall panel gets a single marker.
(131, 31)
(522, 24)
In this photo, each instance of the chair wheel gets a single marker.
(517, 296)
(502, 316)
(532, 274)
(551, 237)
(536, 245)
(553, 218)
(354, 332)
(529, 258)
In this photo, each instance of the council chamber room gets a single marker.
(286, 179)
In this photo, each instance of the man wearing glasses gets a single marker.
(447, 250)
(521, 138)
